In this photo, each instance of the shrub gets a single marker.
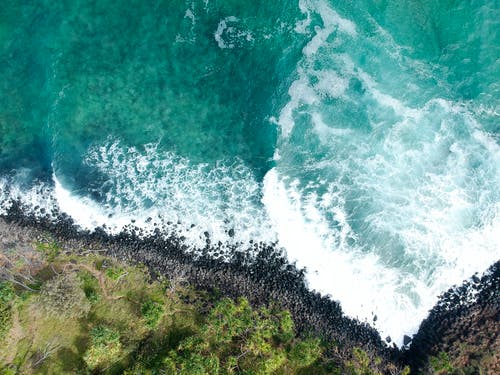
(105, 347)
(114, 273)
(362, 364)
(63, 296)
(90, 286)
(441, 364)
(237, 339)
(5, 320)
(305, 353)
(6, 296)
(152, 311)
(50, 249)
(6, 293)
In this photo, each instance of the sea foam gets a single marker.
(395, 199)
(384, 185)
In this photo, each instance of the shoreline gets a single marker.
(268, 278)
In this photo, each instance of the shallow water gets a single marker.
(363, 137)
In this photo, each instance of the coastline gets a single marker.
(269, 279)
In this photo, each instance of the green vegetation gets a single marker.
(238, 339)
(152, 312)
(6, 296)
(473, 354)
(105, 348)
(90, 286)
(50, 249)
(89, 314)
(360, 365)
(467, 361)
(441, 364)
(114, 273)
(62, 296)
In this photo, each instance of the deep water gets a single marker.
(362, 136)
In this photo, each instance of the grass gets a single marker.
(133, 324)
(122, 298)
(50, 249)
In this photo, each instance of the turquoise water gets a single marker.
(363, 136)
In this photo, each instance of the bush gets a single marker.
(441, 364)
(63, 296)
(305, 353)
(362, 364)
(114, 273)
(6, 296)
(152, 312)
(6, 293)
(90, 286)
(236, 338)
(50, 249)
(5, 320)
(105, 347)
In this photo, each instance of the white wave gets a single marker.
(39, 195)
(300, 92)
(150, 186)
(86, 213)
(330, 83)
(230, 35)
(150, 189)
(191, 16)
(359, 281)
(364, 284)
(331, 21)
(396, 197)
(383, 219)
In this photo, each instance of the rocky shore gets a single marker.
(464, 324)
(268, 278)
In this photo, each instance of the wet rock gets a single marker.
(406, 340)
(265, 277)
(464, 314)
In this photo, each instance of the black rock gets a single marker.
(406, 340)
(264, 279)
(388, 339)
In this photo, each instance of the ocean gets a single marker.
(362, 137)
